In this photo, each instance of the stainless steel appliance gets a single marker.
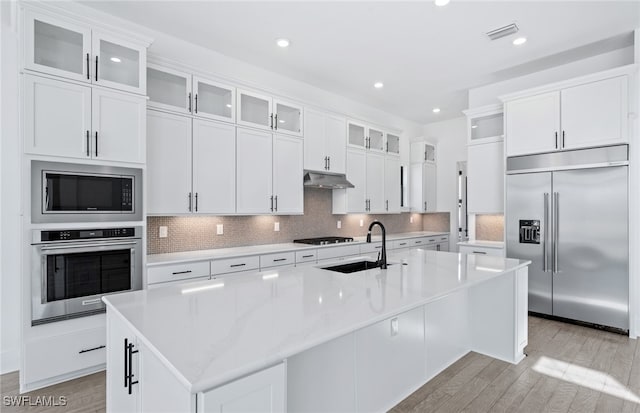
(74, 268)
(323, 240)
(62, 192)
(567, 212)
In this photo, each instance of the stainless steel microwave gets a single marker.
(62, 192)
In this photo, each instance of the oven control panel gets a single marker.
(81, 234)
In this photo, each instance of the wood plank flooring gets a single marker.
(569, 369)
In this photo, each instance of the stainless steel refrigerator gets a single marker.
(567, 212)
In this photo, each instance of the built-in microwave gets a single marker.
(62, 192)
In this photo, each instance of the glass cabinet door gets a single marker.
(288, 118)
(255, 110)
(376, 140)
(119, 64)
(393, 144)
(487, 126)
(213, 100)
(57, 47)
(356, 135)
(169, 89)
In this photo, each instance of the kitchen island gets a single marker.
(308, 339)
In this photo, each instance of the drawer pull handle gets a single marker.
(279, 259)
(182, 272)
(237, 265)
(91, 349)
(432, 240)
(378, 247)
(418, 242)
(307, 256)
(479, 252)
(443, 239)
(403, 243)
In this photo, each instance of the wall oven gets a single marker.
(62, 192)
(73, 269)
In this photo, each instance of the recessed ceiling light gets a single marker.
(436, 110)
(282, 42)
(520, 40)
(442, 2)
(115, 60)
(378, 85)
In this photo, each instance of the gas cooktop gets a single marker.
(323, 240)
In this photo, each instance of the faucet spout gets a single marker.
(382, 262)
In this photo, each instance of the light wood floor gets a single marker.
(569, 369)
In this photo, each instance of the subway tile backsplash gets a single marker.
(188, 233)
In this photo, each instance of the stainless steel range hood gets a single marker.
(313, 179)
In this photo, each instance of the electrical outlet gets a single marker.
(339, 224)
(219, 229)
(276, 226)
(410, 220)
(163, 232)
(362, 222)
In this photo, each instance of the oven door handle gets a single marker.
(84, 246)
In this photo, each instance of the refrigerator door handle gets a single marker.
(545, 266)
(556, 219)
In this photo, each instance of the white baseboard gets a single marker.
(9, 361)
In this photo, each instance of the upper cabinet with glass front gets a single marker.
(265, 112)
(368, 137)
(73, 50)
(393, 144)
(485, 124)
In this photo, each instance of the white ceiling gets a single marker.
(427, 56)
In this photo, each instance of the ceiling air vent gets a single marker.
(502, 31)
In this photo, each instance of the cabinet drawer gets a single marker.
(419, 242)
(277, 260)
(336, 252)
(469, 249)
(230, 265)
(306, 256)
(401, 243)
(370, 247)
(177, 272)
(53, 356)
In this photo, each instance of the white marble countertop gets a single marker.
(201, 255)
(210, 332)
(485, 244)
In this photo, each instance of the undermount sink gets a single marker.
(354, 266)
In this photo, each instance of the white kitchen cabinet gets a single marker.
(122, 394)
(392, 184)
(168, 163)
(288, 192)
(353, 200)
(169, 89)
(423, 152)
(263, 391)
(337, 252)
(57, 118)
(376, 140)
(390, 348)
(533, 124)
(276, 260)
(485, 124)
(423, 187)
(594, 114)
(265, 112)
(119, 126)
(235, 264)
(254, 172)
(367, 137)
(485, 178)
(584, 115)
(393, 144)
(69, 49)
(375, 178)
(214, 167)
(481, 250)
(324, 141)
(75, 121)
(213, 100)
(177, 272)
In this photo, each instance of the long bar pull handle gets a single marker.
(325, 163)
(189, 196)
(88, 143)
(96, 144)
(88, 67)
(556, 227)
(130, 378)
(196, 202)
(562, 139)
(275, 123)
(556, 140)
(126, 359)
(545, 223)
(96, 68)
(196, 102)
(276, 203)
(329, 159)
(189, 98)
(271, 203)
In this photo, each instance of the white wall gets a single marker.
(10, 253)
(488, 94)
(450, 137)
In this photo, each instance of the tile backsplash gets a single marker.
(188, 233)
(490, 227)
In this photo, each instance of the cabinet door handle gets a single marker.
(96, 144)
(130, 383)
(556, 140)
(403, 243)
(480, 252)
(275, 123)
(307, 256)
(279, 259)
(418, 242)
(91, 349)
(196, 102)
(276, 203)
(326, 163)
(237, 265)
(182, 272)
(443, 239)
(387, 205)
(196, 202)
(425, 153)
(562, 139)
(387, 146)
(88, 67)
(271, 125)
(328, 157)
(425, 206)
(189, 196)
(438, 247)
(189, 99)
(271, 203)
(88, 143)
(96, 68)
(126, 362)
